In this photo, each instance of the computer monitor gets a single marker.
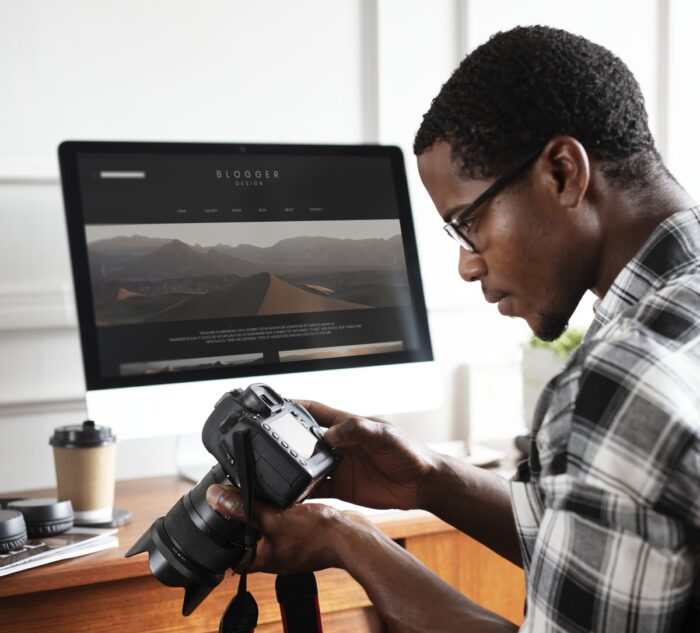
(200, 267)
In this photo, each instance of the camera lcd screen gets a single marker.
(292, 432)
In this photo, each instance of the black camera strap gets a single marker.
(245, 467)
(241, 614)
(297, 594)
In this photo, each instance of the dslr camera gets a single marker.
(192, 546)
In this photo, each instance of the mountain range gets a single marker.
(255, 295)
(142, 258)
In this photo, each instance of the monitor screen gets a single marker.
(197, 262)
(200, 268)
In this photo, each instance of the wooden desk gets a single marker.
(110, 593)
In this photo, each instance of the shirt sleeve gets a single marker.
(614, 544)
(589, 574)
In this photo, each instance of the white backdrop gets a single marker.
(268, 71)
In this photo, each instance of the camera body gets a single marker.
(192, 546)
(289, 453)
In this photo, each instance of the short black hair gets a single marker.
(522, 87)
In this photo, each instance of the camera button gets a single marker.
(266, 427)
(275, 435)
(318, 431)
(284, 444)
(294, 453)
(302, 462)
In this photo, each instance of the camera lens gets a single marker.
(192, 546)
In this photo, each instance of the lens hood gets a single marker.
(173, 569)
(192, 546)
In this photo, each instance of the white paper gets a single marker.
(77, 541)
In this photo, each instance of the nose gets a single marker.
(471, 266)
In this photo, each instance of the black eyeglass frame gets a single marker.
(452, 226)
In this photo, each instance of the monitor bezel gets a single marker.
(68, 153)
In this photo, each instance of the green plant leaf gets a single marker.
(564, 345)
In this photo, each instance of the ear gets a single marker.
(566, 163)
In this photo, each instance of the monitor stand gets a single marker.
(192, 460)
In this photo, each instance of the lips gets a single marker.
(503, 299)
(505, 306)
(493, 297)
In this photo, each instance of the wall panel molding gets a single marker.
(663, 35)
(40, 407)
(16, 171)
(9, 179)
(36, 307)
(461, 12)
(369, 52)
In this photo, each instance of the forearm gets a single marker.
(408, 597)
(476, 502)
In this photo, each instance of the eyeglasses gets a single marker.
(458, 227)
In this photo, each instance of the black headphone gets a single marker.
(32, 518)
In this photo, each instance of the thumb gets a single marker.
(356, 431)
(227, 501)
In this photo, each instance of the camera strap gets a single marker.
(298, 598)
(245, 467)
(241, 614)
(297, 594)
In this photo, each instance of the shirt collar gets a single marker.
(670, 250)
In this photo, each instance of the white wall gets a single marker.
(170, 70)
(266, 70)
(683, 121)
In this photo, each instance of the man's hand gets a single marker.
(295, 540)
(309, 537)
(381, 467)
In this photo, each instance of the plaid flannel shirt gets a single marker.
(608, 505)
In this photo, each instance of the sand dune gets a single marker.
(240, 298)
(123, 293)
(284, 298)
(322, 289)
(261, 293)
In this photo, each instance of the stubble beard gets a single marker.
(551, 326)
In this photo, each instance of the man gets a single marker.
(538, 157)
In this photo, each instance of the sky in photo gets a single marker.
(257, 233)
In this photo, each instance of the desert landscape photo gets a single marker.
(188, 364)
(179, 272)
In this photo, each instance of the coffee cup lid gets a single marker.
(85, 435)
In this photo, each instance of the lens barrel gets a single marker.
(192, 546)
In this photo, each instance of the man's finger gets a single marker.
(323, 414)
(322, 490)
